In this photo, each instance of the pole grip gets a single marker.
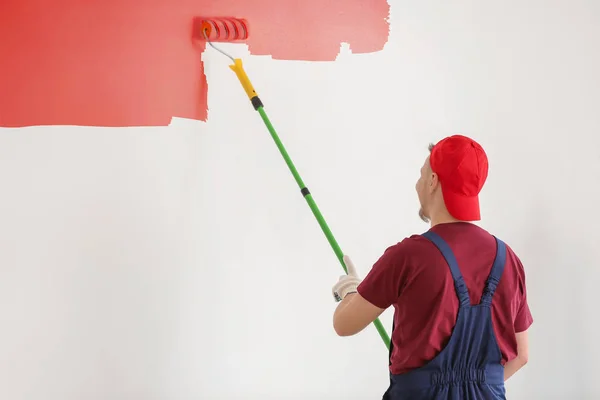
(238, 68)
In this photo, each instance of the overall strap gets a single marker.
(495, 274)
(459, 284)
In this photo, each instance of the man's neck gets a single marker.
(443, 218)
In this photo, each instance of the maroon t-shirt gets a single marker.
(414, 277)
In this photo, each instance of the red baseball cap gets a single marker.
(462, 168)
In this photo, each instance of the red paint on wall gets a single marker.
(132, 63)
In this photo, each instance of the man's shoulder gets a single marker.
(415, 244)
(418, 247)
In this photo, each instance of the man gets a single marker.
(461, 313)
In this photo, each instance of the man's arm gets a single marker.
(523, 321)
(363, 301)
(522, 356)
(354, 314)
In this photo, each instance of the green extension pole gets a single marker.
(258, 106)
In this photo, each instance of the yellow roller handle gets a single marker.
(238, 68)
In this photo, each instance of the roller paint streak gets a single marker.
(131, 63)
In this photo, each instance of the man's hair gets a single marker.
(431, 145)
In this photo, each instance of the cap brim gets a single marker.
(465, 208)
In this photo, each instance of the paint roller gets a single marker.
(236, 30)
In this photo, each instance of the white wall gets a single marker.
(182, 263)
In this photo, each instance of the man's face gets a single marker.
(423, 187)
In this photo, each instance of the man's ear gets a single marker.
(433, 182)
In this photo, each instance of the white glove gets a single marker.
(347, 283)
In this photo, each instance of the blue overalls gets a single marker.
(469, 367)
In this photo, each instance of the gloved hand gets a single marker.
(347, 283)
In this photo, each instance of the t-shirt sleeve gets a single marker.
(381, 286)
(523, 317)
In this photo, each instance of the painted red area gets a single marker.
(132, 63)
